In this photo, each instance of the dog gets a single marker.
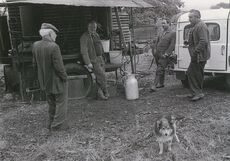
(165, 130)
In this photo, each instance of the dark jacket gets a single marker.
(199, 42)
(166, 42)
(91, 47)
(51, 71)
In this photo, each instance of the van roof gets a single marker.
(211, 14)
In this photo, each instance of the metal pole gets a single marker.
(132, 51)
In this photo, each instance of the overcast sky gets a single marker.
(201, 4)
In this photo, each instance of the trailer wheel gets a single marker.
(81, 78)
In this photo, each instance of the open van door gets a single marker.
(183, 56)
(218, 37)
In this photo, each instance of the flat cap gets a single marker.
(49, 26)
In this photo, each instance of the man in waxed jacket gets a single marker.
(165, 45)
(199, 50)
(51, 75)
(92, 53)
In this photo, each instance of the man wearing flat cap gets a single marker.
(92, 53)
(51, 75)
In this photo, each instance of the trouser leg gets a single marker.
(196, 77)
(160, 72)
(52, 107)
(99, 71)
(61, 108)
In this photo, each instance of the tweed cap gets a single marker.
(49, 26)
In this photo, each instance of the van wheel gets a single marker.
(185, 83)
(227, 80)
(183, 78)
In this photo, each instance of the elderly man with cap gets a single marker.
(51, 75)
(92, 53)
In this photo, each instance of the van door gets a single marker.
(183, 56)
(218, 37)
(228, 42)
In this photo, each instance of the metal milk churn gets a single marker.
(131, 87)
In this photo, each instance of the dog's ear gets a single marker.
(158, 124)
(172, 119)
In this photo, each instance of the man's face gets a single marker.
(165, 25)
(192, 18)
(53, 35)
(92, 27)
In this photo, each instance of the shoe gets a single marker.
(197, 97)
(106, 94)
(100, 95)
(160, 86)
(48, 126)
(190, 95)
(153, 89)
(60, 127)
(102, 98)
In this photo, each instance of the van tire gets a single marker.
(182, 76)
(227, 80)
(185, 83)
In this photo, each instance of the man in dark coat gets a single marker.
(92, 53)
(51, 75)
(199, 50)
(165, 45)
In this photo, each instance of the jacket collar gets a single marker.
(47, 38)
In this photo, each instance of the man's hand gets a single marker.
(90, 66)
(165, 55)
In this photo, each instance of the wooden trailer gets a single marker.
(70, 17)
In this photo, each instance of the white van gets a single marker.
(218, 22)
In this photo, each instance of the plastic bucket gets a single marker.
(105, 45)
(115, 56)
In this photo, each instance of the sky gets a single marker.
(201, 4)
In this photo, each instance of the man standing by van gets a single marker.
(165, 45)
(199, 50)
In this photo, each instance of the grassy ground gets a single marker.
(121, 130)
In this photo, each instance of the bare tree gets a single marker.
(221, 5)
(161, 8)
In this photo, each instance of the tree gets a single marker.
(221, 5)
(161, 8)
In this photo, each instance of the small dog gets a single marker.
(165, 129)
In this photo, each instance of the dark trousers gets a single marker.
(57, 108)
(195, 74)
(99, 71)
(162, 63)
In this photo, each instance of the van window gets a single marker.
(213, 28)
(214, 31)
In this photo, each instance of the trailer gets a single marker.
(70, 17)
